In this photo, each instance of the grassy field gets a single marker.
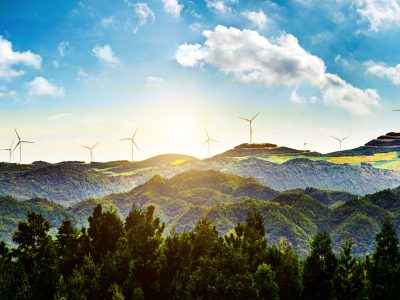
(387, 160)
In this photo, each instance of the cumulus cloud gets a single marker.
(295, 97)
(144, 13)
(172, 7)
(220, 6)
(107, 22)
(62, 48)
(82, 75)
(9, 59)
(258, 19)
(106, 55)
(153, 81)
(42, 87)
(383, 71)
(379, 13)
(4, 92)
(250, 57)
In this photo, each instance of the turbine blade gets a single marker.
(254, 116)
(16, 146)
(95, 145)
(207, 133)
(396, 109)
(135, 144)
(336, 138)
(16, 132)
(215, 141)
(85, 147)
(205, 143)
(345, 138)
(245, 119)
(27, 142)
(12, 143)
(126, 139)
(135, 132)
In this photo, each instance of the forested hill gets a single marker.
(226, 200)
(130, 259)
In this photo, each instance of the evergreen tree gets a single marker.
(349, 279)
(319, 268)
(385, 269)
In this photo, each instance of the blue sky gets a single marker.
(78, 72)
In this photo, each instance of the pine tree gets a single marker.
(385, 269)
(319, 268)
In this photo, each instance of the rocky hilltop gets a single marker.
(390, 140)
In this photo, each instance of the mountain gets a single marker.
(226, 200)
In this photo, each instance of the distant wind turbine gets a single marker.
(20, 142)
(208, 142)
(340, 141)
(132, 139)
(251, 126)
(305, 146)
(91, 151)
(9, 150)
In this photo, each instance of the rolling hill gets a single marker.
(226, 199)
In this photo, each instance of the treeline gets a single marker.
(113, 259)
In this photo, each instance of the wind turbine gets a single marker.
(20, 142)
(208, 142)
(251, 126)
(340, 141)
(91, 151)
(305, 146)
(132, 139)
(9, 150)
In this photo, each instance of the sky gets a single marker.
(75, 73)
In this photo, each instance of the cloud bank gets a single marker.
(251, 57)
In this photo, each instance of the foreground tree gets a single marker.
(384, 272)
(319, 268)
(349, 279)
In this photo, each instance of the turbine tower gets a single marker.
(91, 151)
(251, 126)
(9, 150)
(208, 142)
(340, 141)
(132, 139)
(305, 146)
(20, 142)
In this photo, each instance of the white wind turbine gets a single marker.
(20, 142)
(9, 150)
(132, 140)
(208, 142)
(340, 140)
(251, 126)
(305, 146)
(91, 151)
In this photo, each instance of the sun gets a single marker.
(177, 131)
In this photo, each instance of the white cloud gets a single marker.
(295, 97)
(62, 48)
(379, 13)
(251, 57)
(56, 64)
(58, 117)
(4, 92)
(383, 71)
(259, 19)
(10, 58)
(340, 93)
(144, 13)
(153, 81)
(107, 22)
(172, 7)
(81, 75)
(106, 55)
(220, 6)
(42, 87)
